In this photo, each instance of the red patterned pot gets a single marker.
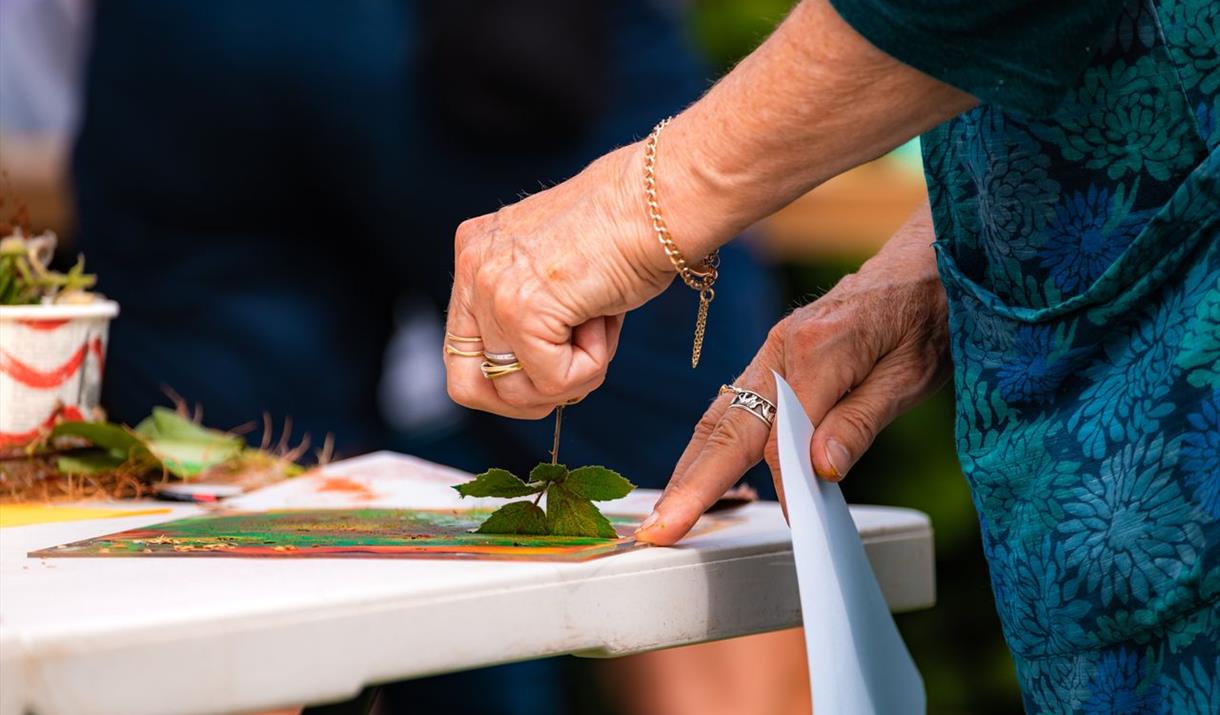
(51, 363)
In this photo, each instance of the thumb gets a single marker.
(850, 427)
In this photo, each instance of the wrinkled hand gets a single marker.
(549, 279)
(872, 347)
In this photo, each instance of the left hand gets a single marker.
(872, 347)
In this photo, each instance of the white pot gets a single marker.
(51, 363)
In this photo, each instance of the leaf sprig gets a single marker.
(165, 440)
(569, 500)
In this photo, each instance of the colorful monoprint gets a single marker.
(359, 533)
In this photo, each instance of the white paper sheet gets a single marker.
(858, 663)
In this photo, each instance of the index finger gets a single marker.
(730, 449)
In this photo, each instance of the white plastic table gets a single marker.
(168, 636)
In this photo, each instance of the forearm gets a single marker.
(813, 101)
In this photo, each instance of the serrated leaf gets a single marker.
(598, 483)
(497, 483)
(89, 462)
(188, 459)
(568, 514)
(547, 472)
(519, 517)
(106, 435)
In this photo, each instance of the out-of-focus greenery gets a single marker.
(727, 30)
(26, 276)
(957, 644)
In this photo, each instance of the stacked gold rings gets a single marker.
(499, 364)
(494, 365)
(492, 370)
(451, 350)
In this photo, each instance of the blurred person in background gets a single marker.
(259, 184)
(41, 53)
(1066, 272)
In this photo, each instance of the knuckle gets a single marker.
(726, 435)
(486, 280)
(468, 230)
(461, 393)
(464, 263)
(505, 307)
(463, 234)
(806, 334)
(779, 332)
(705, 427)
(861, 425)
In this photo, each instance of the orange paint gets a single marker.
(351, 487)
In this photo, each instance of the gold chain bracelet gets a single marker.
(700, 277)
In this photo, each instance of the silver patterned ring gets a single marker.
(499, 358)
(752, 402)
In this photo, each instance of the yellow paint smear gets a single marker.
(27, 514)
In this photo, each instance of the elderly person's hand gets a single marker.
(542, 285)
(547, 280)
(872, 347)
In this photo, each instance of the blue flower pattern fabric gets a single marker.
(1081, 256)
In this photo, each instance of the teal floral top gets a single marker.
(1078, 236)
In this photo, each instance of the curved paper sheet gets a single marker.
(858, 662)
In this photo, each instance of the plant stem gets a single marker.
(555, 444)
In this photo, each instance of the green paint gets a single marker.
(345, 532)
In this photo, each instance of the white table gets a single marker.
(166, 636)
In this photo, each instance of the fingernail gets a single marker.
(651, 521)
(839, 458)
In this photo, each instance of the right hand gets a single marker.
(857, 357)
(549, 279)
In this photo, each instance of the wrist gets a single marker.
(693, 203)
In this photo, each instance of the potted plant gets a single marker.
(53, 332)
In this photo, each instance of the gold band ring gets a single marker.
(500, 358)
(491, 370)
(450, 350)
(462, 338)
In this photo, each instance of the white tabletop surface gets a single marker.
(166, 636)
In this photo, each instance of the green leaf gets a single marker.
(89, 462)
(568, 514)
(106, 435)
(188, 459)
(519, 517)
(598, 483)
(497, 483)
(547, 472)
(165, 423)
